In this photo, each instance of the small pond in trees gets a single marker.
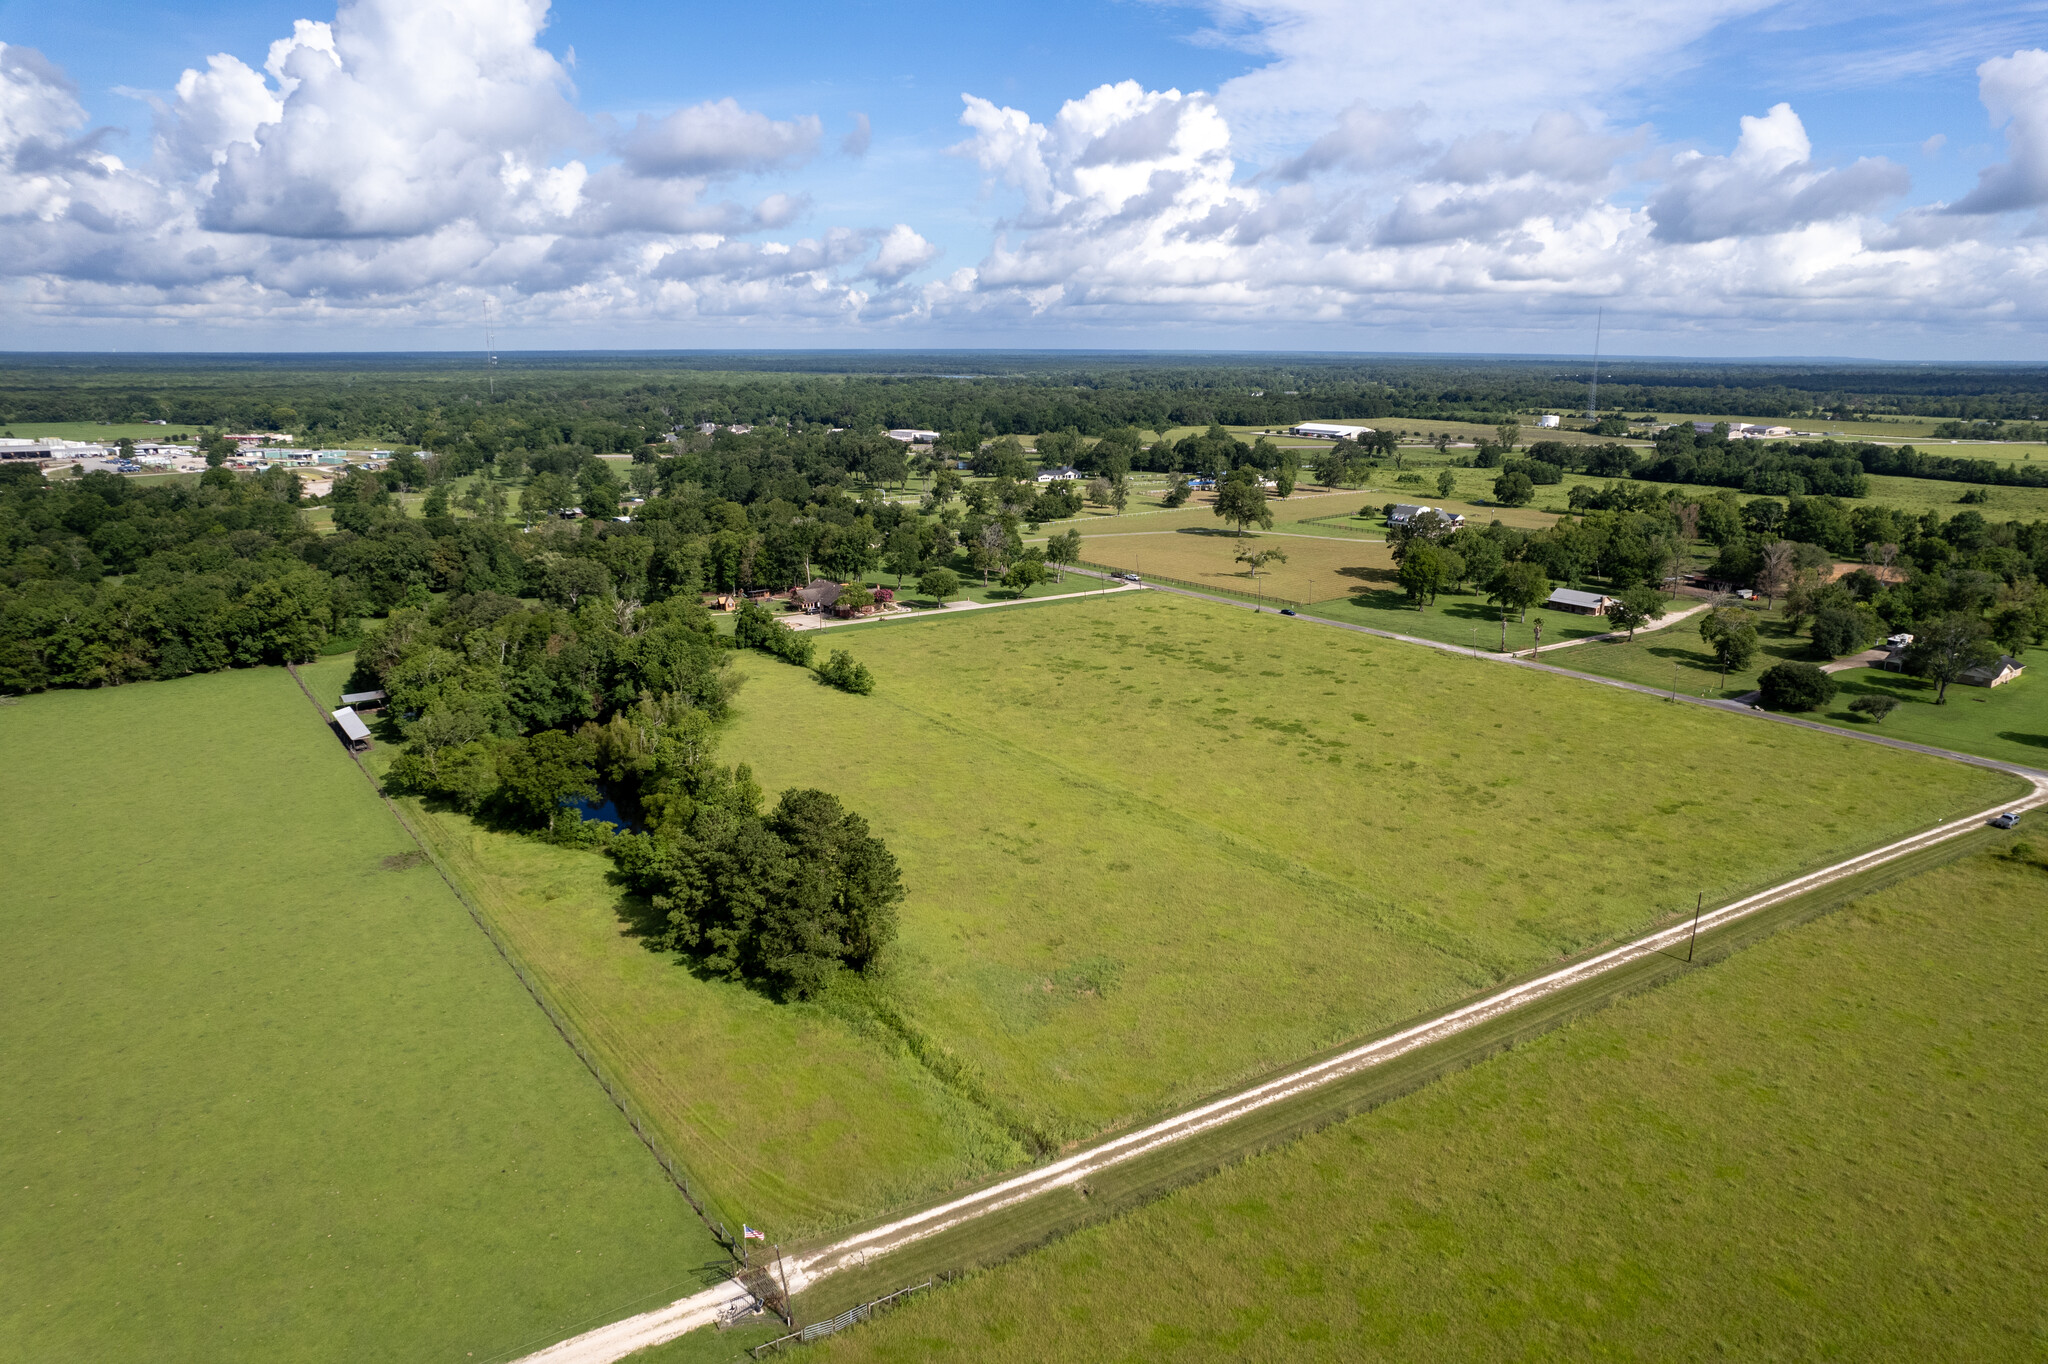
(602, 809)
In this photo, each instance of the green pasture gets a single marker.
(2008, 722)
(1154, 848)
(270, 1092)
(1824, 1147)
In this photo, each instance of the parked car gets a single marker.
(2006, 820)
(1286, 610)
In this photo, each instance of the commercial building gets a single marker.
(1329, 431)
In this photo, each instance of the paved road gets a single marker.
(616, 1341)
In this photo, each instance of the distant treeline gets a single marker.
(1777, 468)
(614, 403)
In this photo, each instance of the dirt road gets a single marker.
(620, 1339)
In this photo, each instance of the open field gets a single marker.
(2008, 722)
(1318, 564)
(1823, 1147)
(1123, 823)
(270, 1093)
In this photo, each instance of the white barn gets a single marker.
(1329, 431)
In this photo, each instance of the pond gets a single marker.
(601, 809)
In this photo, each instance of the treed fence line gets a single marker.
(645, 1131)
(1183, 582)
(819, 1330)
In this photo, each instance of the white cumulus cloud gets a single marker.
(398, 163)
(1769, 184)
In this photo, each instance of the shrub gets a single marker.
(847, 673)
(1796, 686)
(756, 629)
(1876, 707)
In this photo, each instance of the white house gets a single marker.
(1404, 512)
(1329, 431)
(1550, 421)
(910, 435)
(1065, 471)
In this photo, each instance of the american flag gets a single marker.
(747, 1233)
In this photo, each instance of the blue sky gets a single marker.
(1722, 177)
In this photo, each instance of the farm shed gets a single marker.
(1582, 603)
(354, 732)
(367, 700)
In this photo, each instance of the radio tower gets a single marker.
(490, 347)
(1593, 391)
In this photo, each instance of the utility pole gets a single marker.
(1697, 907)
(1593, 392)
(788, 1309)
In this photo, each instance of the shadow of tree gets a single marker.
(2030, 740)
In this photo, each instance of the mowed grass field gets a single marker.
(2008, 722)
(1677, 659)
(1825, 1147)
(270, 1094)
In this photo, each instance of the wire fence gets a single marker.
(820, 1329)
(616, 1092)
(1192, 586)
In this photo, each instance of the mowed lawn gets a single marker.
(1155, 846)
(1825, 1147)
(1676, 658)
(269, 1096)
(2008, 722)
